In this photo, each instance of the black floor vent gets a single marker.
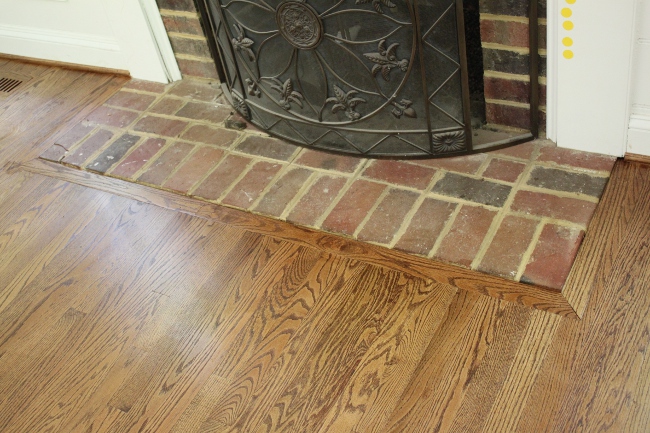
(7, 85)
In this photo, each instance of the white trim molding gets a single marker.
(163, 44)
(638, 135)
(61, 46)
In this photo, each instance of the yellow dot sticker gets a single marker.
(566, 12)
(568, 25)
(568, 54)
(571, 1)
(567, 42)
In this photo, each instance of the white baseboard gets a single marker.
(60, 46)
(638, 136)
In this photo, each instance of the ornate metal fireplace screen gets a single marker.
(369, 77)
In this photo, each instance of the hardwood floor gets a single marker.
(123, 316)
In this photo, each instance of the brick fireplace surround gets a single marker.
(518, 213)
(504, 36)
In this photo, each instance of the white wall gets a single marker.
(592, 98)
(639, 131)
(111, 34)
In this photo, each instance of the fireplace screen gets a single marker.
(368, 77)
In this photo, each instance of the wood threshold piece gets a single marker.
(628, 182)
(532, 296)
(65, 65)
(635, 157)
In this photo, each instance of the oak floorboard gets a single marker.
(605, 234)
(150, 315)
(465, 279)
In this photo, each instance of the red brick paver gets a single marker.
(267, 147)
(553, 257)
(160, 126)
(167, 106)
(387, 219)
(252, 184)
(316, 201)
(464, 240)
(275, 201)
(573, 158)
(426, 226)
(508, 247)
(134, 101)
(208, 135)
(165, 164)
(548, 205)
(146, 86)
(353, 207)
(400, 173)
(222, 177)
(196, 90)
(112, 117)
(194, 169)
(139, 157)
(521, 151)
(203, 111)
(507, 171)
(329, 161)
(462, 164)
(74, 135)
(89, 147)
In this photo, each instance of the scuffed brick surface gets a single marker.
(283, 191)
(166, 163)
(551, 261)
(475, 190)
(139, 157)
(194, 169)
(328, 161)
(247, 190)
(400, 173)
(314, 204)
(388, 217)
(388, 202)
(463, 241)
(508, 247)
(113, 153)
(353, 207)
(222, 177)
(425, 227)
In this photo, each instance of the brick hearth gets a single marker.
(519, 213)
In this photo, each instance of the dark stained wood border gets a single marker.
(465, 279)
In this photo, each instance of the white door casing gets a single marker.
(638, 137)
(113, 34)
(589, 92)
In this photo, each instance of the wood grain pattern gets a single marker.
(119, 316)
(606, 232)
(461, 278)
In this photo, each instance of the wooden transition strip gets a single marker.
(635, 157)
(629, 184)
(65, 65)
(532, 296)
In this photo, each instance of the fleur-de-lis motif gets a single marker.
(403, 108)
(386, 60)
(253, 90)
(287, 94)
(377, 4)
(242, 43)
(346, 102)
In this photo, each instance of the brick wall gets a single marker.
(187, 37)
(506, 57)
(504, 34)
